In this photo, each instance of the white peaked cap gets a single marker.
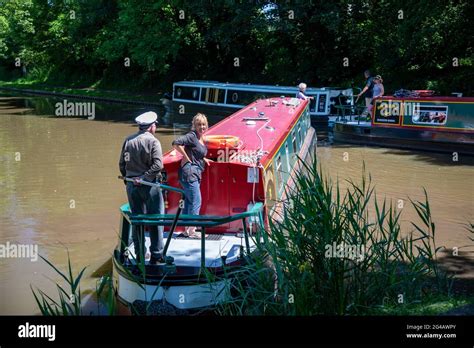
(146, 119)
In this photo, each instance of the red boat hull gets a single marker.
(227, 187)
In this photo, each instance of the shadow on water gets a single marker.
(325, 139)
(436, 158)
(439, 159)
(102, 270)
(457, 262)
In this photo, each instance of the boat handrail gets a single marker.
(177, 219)
(164, 219)
(146, 183)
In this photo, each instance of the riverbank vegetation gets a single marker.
(142, 45)
(25, 85)
(329, 255)
(334, 252)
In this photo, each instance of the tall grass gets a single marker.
(296, 275)
(70, 300)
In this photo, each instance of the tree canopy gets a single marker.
(144, 44)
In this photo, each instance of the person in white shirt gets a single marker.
(301, 93)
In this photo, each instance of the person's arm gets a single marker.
(182, 151)
(157, 161)
(363, 91)
(302, 95)
(179, 145)
(122, 162)
(382, 90)
(366, 87)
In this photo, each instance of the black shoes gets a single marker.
(154, 260)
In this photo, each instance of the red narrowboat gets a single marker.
(256, 152)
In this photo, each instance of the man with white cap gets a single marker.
(142, 159)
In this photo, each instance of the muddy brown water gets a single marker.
(59, 188)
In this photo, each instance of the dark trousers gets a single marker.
(146, 200)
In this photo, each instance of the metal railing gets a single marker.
(203, 221)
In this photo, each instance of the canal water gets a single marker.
(59, 188)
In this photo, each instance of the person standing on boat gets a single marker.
(378, 87)
(378, 90)
(368, 90)
(142, 159)
(302, 92)
(194, 150)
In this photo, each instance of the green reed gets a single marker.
(70, 300)
(295, 275)
(70, 296)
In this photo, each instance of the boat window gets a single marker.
(190, 93)
(299, 135)
(213, 95)
(279, 173)
(221, 96)
(235, 97)
(434, 115)
(288, 167)
(241, 97)
(322, 103)
(295, 147)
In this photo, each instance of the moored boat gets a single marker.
(233, 96)
(256, 154)
(440, 124)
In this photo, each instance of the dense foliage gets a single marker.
(143, 44)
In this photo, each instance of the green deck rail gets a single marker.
(203, 221)
(353, 109)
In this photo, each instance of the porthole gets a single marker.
(235, 97)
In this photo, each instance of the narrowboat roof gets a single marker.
(264, 123)
(269, 129)
(248, 86)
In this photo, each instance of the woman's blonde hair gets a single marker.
(199, 117)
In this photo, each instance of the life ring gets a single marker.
(215, 143)
(424, 92)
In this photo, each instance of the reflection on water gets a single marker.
(402, 174)
(59, 187)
